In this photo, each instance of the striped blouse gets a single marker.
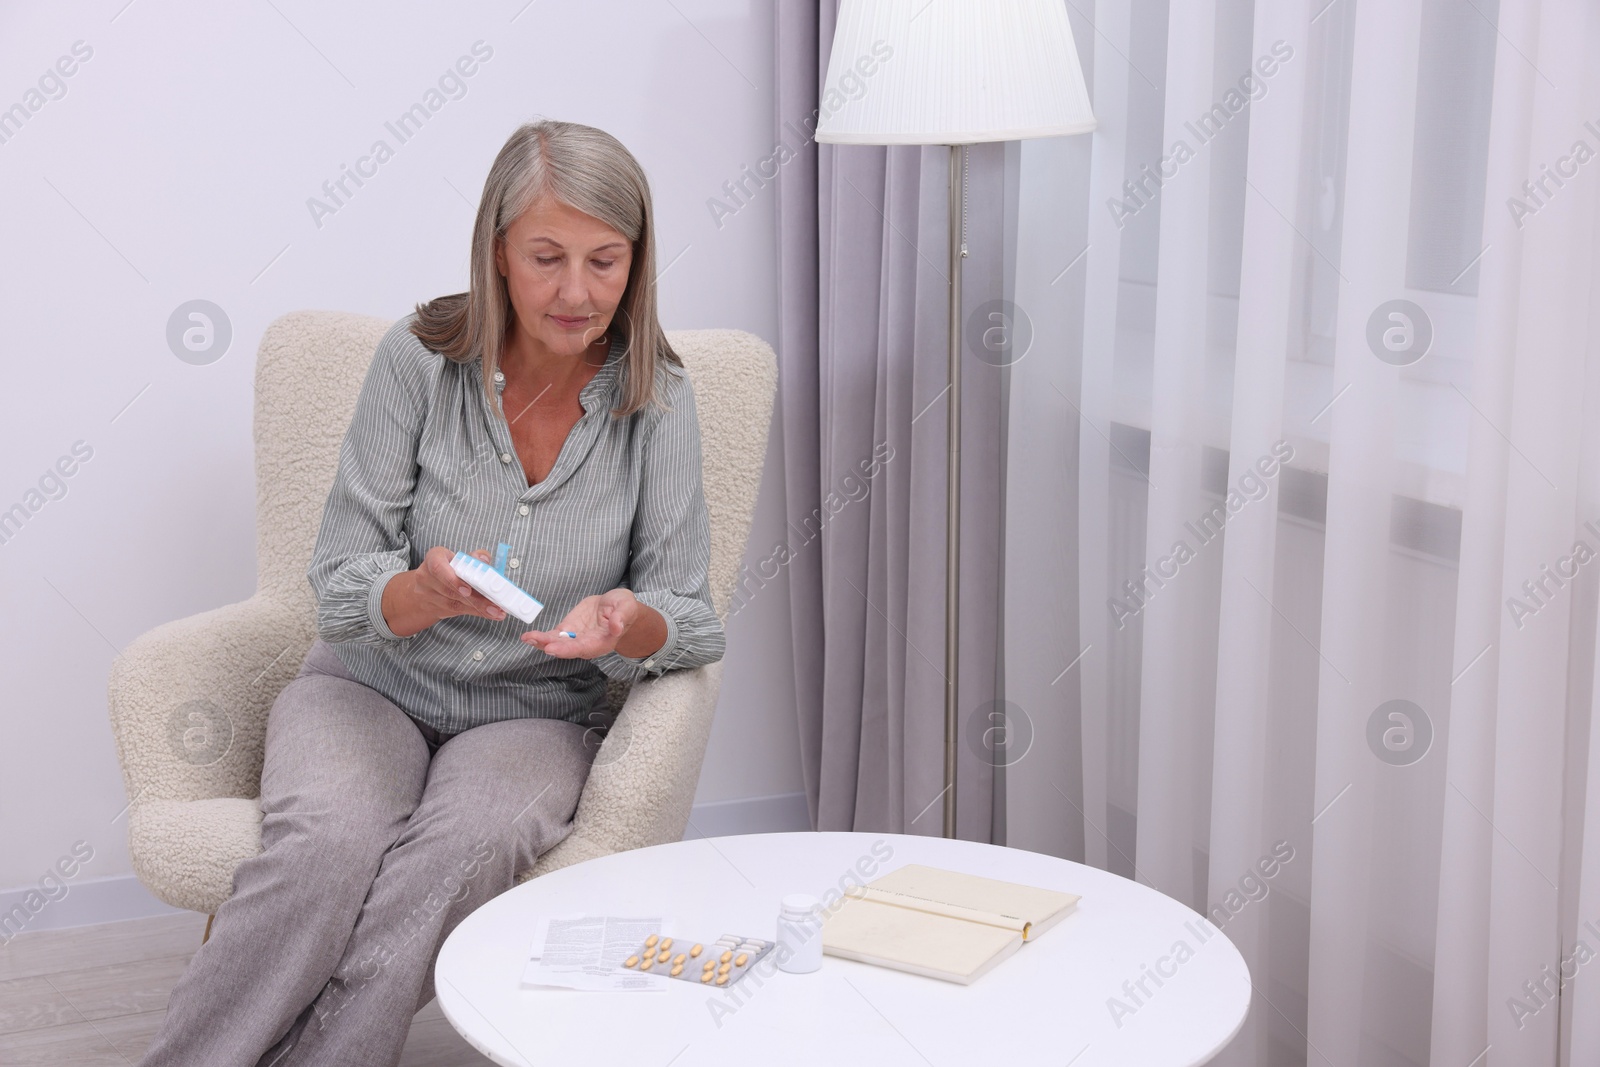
(425, 462)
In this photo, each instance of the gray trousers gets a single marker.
(378, 836)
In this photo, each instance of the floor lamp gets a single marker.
(952, 72)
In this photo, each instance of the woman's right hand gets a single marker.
(417, 599)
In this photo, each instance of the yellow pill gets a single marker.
(631, 961)
(722, 979)
(710, 965)
(726, 956)
(666, 942)
(723, 969)
(740, 961)
(705, 976)
(695, 951)
(650, 941)
(677, 969)
(678, 959)
(662, 956)
(647, 964)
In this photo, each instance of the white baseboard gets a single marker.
(115, 898)
(784, 813)
(87, 902)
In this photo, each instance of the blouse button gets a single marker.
(477, 653)
(505, 457)
(499, 377)
(515, 562)
(523, 510)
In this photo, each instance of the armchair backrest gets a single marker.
(310, 367)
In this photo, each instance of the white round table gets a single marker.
(1130, 977)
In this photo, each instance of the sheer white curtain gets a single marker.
(1303, 509)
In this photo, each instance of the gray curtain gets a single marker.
(862, 351)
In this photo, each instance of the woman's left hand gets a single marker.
(599, 622)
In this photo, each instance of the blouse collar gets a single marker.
(601, 387)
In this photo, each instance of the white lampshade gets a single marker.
(952, 72)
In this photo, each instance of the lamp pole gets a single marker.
(952, 574)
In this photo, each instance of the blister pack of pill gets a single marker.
(718, 963)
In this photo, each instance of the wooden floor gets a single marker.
(96, 995)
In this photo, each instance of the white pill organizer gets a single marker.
(500, 590)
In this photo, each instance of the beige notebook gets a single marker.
(943, 924)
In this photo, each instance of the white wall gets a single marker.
(177, 165)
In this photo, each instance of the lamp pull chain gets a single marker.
(966, 175)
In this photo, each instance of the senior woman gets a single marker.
(431, 747)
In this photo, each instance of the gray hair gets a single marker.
(587, 169)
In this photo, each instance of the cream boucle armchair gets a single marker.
(189, 699)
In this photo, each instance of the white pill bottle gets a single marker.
(799, 948)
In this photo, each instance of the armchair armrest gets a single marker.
(639, 790)
(188, 700)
